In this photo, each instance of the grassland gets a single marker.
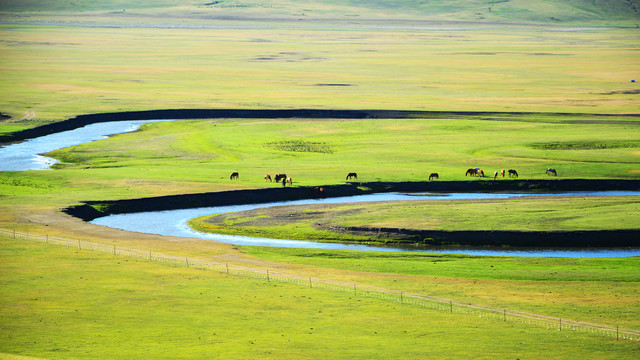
(156, 311)
(61, 62)
(50, 73)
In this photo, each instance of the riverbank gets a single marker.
(185, 114)
(90, 210)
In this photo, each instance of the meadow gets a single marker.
(122, 308)
(559, 90)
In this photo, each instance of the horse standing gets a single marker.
(551, 171)
(280, 177)
(234, 176)
(495, 175)
(502, 172)
(513, 173)
(267, 177)
(433, 176)
(352, 175)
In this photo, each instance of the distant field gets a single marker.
(51, 73)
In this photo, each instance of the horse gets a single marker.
(352, 175)
(479, 172)
(290, 181)
(495, 175)
(513, 173)
(234, 176)
(280, 177)
(502, 172)
(433, 176)
(267, 177)
(471, 172)
(551, 171)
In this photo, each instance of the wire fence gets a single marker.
(421, 300)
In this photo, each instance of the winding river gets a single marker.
(26, 156)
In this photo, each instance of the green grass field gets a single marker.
(62, 59)
(121, 308)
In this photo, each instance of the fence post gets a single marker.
(187, 260)
(505, 315)
(268, 275)
(310, 281)
(451, 306)
(560, 325)
(46, 239)
(227, 268)
(617, 332)
(401, 300)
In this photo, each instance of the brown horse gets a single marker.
(280, 177)
(234, 176)
(502, 172)
(290, 181)
(480, 173)
(352, 175)
(267, 177)
(433, 176)
(513, 173)
(471, 172)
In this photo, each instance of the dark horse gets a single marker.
(234, 176)
(513, 173)
(433, 176)
(551, 171)
(475, 172)
(280, 177)
(352, 176)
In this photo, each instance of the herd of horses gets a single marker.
(354, 176)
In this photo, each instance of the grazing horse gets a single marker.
(267, 177)
(280, 177)
(234, 176)
(290, 181)
(352, 176)
(479, 172)
(502, 172)
(513, 173)
(471, 172)
(433, 176)
(495, 175)
(551, 171)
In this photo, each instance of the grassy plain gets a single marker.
(103, 59)
(50, 73)
(121, 308)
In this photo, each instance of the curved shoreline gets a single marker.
(186, 114)
(91, 210)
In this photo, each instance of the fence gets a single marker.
(421, 300)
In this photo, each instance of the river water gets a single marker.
(174, 223)
(27, 156)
